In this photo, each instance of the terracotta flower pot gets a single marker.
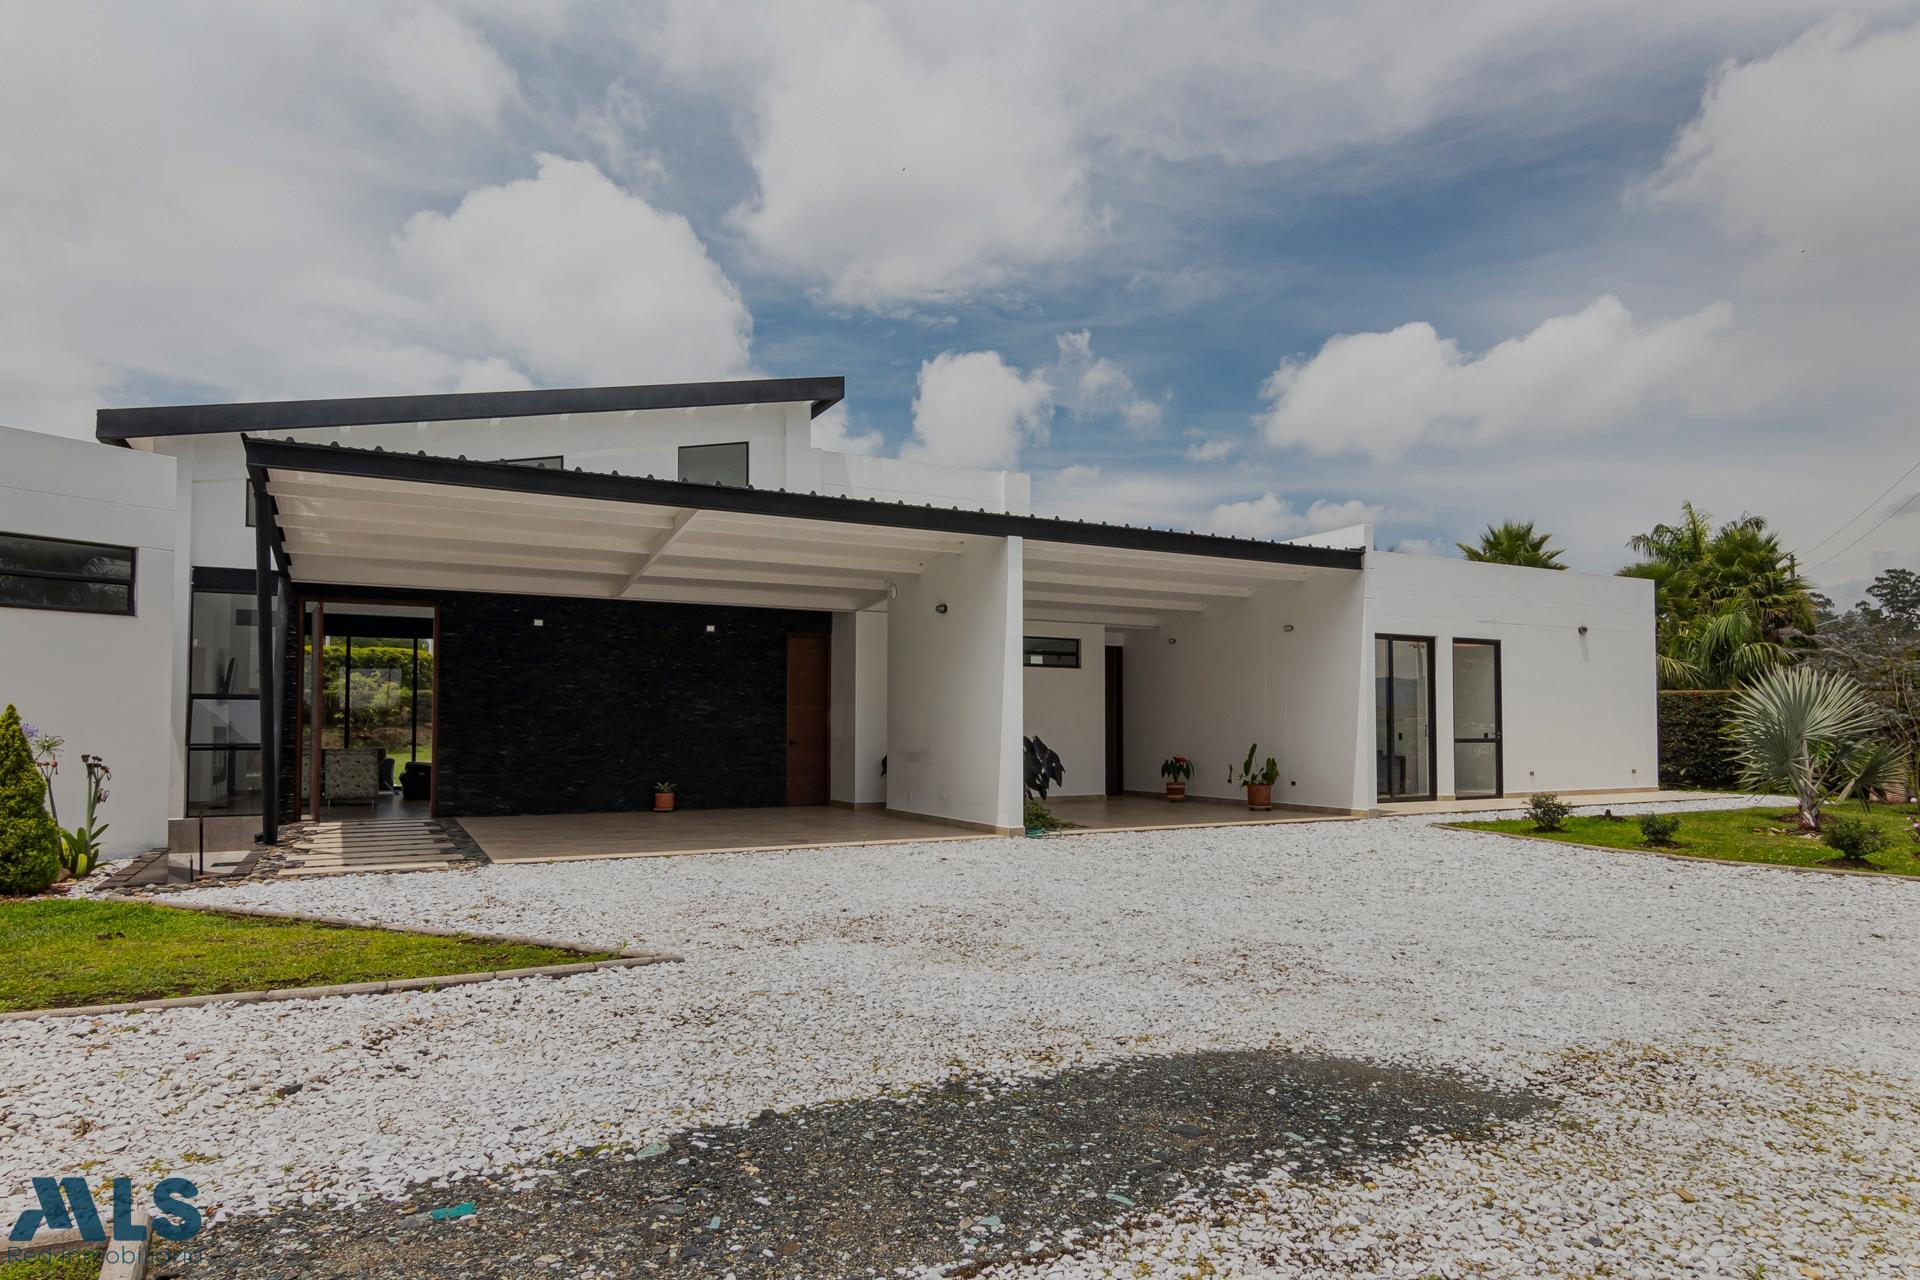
(1259, 795)
(662, 801)
(1176, 791)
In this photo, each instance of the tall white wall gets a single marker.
(1233, 675)
(1067, 707)
(100, 681)
(954, 688)
(1580, 712)
(859, 720)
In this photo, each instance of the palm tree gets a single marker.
(1808, 732)
(1728, 606)
(1514, 542)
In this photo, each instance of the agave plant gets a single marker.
(1808, 732)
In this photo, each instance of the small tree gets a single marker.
(1807, 732)
(29, 840)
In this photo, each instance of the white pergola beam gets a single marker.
(681, 523)
(1103, 617)
(1114, 599)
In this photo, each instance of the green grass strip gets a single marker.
(58, 953)
(1768, 836)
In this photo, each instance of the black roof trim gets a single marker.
(287, 415)
(424, 468)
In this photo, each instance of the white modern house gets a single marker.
(582, 592)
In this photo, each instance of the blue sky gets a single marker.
(1254, 268)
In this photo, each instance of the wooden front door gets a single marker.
(809, 693)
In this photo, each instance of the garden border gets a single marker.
(627, 958)
(1690, 858)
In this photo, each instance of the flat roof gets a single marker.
(265, 456)
(286, 415)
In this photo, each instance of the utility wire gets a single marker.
(1863, 537)
(1870, 506)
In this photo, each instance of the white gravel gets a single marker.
(1746, 1035)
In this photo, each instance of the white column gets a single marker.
(954, 695)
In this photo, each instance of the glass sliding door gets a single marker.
(1476, 719)
(1403, 716)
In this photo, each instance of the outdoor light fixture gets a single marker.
(711, 628)
(539, 622)
(1583, 628)
(941, 607)
(1288, 627)
(1172, 640)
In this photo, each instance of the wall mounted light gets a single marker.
(1288, 627)
(1583, 628)
(1172, 640)
(539, 622)
(711, 628)
(941, 607)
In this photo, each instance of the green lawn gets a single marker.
(69, 1264)
(1765, 835)
(55, 953)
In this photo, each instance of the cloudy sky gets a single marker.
(1255, 268)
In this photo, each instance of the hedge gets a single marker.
(1694, 752)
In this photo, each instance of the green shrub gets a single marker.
(1548, 811)
(1851, 837)
(1040, 818)
(29, 841)
(1659, 828)
(1694, 752)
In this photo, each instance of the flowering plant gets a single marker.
(80, 847)
(1176, 769)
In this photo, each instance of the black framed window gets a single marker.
(223, 702)
(1050, 651)
(555, 462)
(59, 573)
(714, 464)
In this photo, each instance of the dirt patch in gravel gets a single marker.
(956, 1177)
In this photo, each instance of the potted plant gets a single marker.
(1259, 786)
(663, 797)
(1176, 770)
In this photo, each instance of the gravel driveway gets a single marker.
(1721, 1057)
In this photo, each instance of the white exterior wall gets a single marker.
(1067, 707)
(859, 728)
(1580, 712)
(954, 690)
(1234, 676)
(101, 681)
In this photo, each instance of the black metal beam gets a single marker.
(288, 415)
(430, 469)
(264, 585)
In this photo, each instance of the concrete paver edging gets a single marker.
(629, 958)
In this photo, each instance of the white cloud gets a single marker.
(443, 68)
(1271, 516)
(580, 280)
(1207, 449)
(893, 169)
(245, 247)
(1089, 386)
(1384, 393)
(909, 153)
(976, 410)
(830, 433)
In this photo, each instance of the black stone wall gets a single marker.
(585, 712)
